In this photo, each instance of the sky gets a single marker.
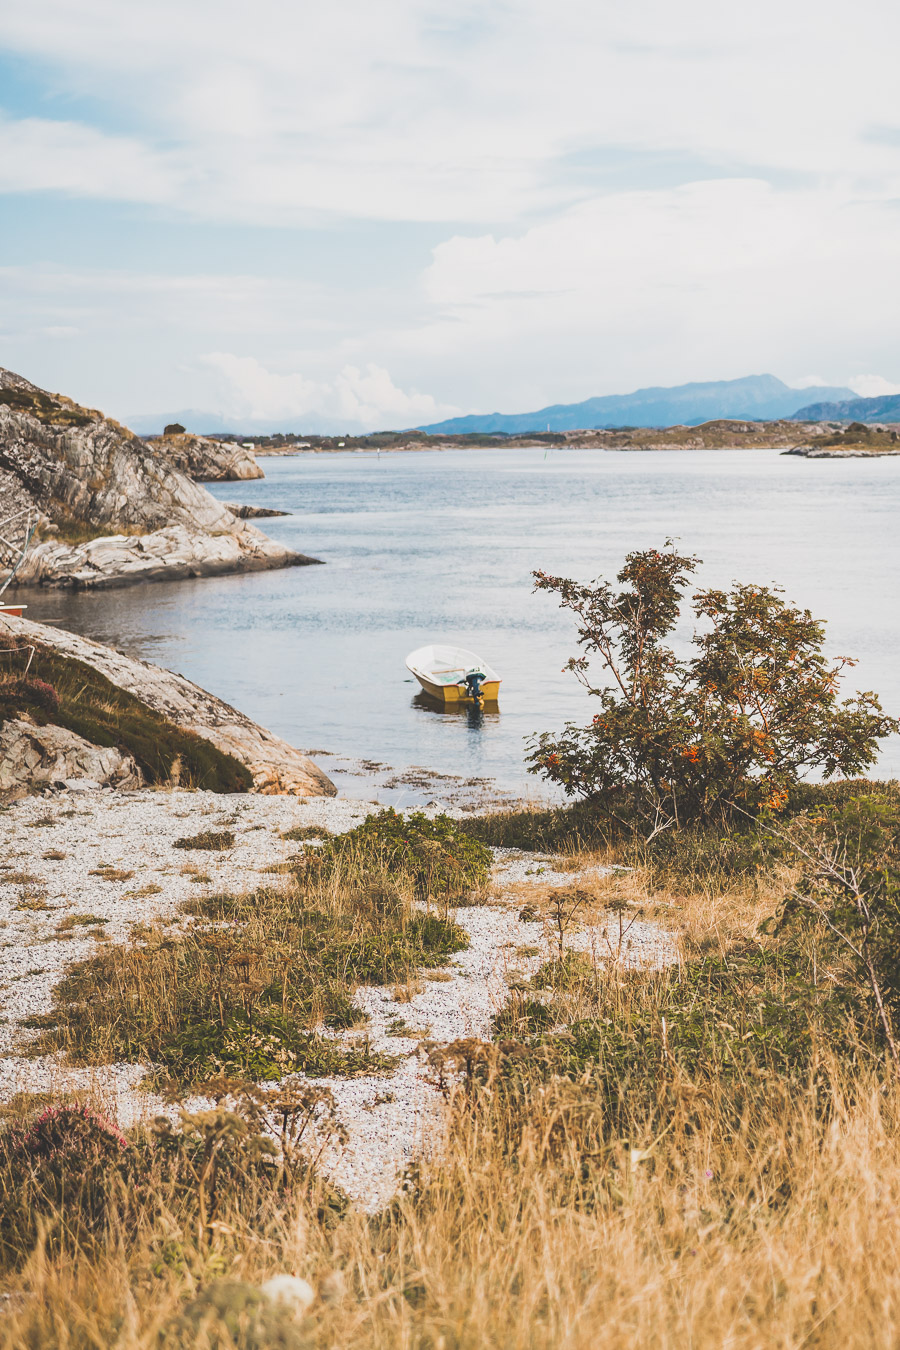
(354, 215)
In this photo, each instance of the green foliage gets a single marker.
(211, 841)
(724, 1029)
(678, 741)
(245, 994)
(849, 895)
(93, 707)
(438, 857)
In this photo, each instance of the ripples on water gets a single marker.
(441, 545)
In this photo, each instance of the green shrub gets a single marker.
(438, 857)
(725, 1029)
(245, 994)
(731, 730)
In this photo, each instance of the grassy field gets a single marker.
(704, 1157)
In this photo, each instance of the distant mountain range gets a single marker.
(885, 408)
(753, 398)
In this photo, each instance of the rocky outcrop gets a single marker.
(85, 478)
(207, 460)
(849, 452)
(857, 441)
(166, 555)
(253, 512)
(34, 758)
(275, 766)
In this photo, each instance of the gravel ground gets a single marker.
(391, 1119)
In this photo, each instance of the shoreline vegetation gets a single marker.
(705, 1154)
(719, 434)
(657, 1098)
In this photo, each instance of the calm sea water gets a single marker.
(441, 545)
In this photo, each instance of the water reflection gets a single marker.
(474, 715)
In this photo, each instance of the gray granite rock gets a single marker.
(83, 474)
(34, 757)
(207, 460)
(276, 766)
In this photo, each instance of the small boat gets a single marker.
(454, 675)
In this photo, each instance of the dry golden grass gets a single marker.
(781, 1235)
(715, 1211)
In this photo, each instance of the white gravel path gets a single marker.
(390, 1118)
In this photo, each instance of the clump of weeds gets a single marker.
(212, 841)
(245, 988)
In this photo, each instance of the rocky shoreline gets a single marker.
(275, 766)
(175, 553)
(857, 441)
(107, 508)
(855, 452)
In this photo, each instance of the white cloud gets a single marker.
(37, 154)
(544, 140)
(872, 386)
(355, 398)
(411, 110)
(710, 280)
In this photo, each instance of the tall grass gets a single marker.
(247, 986)
(533, 1232)
(707, 1157)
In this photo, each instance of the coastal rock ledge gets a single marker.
(275, 766)
(110, 509)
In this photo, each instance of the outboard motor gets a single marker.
(474, 680)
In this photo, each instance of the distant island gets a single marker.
(718, 434)
(857, 441)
